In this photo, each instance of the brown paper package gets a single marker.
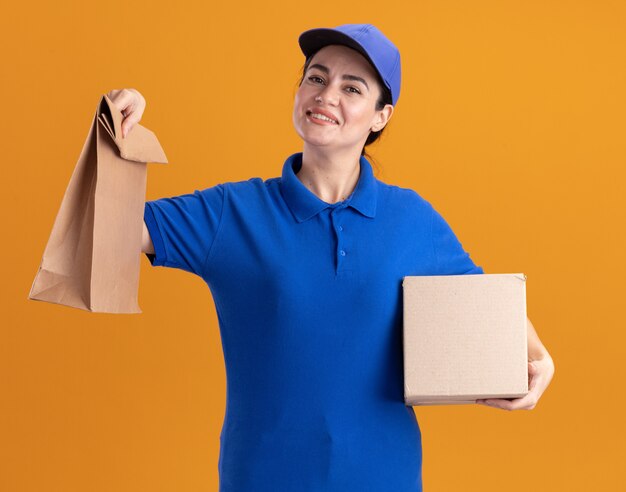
(93, 255)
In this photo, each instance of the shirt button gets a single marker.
(340, 228)
(342, 252)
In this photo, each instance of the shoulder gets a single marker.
(248, 187)
(404, 199)
(248, 195)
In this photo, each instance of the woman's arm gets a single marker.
(536, 350)
(540, 372)
(146, 241)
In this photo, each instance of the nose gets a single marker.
(329, 95)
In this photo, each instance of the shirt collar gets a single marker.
(304, 204)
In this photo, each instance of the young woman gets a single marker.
(305, 270)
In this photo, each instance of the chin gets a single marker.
(316, 140)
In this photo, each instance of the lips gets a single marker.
(323, 112)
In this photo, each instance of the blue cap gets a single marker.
(367, 40)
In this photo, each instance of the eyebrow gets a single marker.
(345, 77)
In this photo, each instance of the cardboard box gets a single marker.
(465, 338)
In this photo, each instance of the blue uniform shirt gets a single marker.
(309, 302)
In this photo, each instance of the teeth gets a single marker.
(321, 117)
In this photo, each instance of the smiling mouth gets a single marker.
(322, 117)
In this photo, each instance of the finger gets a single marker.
(124, 100)
(128, 124)
(532, 382)
(527, 402)
(113, 93)
(532, 374)
(502, 403)
(538, 381)
(499, 403)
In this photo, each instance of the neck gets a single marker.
(332, 177)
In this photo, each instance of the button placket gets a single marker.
(339, 235)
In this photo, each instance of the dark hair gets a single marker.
(384, 99)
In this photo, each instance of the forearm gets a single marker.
(536, 349)
(146, 241)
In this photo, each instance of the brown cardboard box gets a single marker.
(93, 255)
(465, 338)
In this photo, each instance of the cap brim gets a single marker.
(314, 39)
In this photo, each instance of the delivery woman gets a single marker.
(305, 270)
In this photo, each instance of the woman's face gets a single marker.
(348, 88)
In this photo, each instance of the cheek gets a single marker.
(298, 100)
(297, 110)
(360, 114)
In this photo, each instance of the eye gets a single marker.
(312, 77)
(356, 91)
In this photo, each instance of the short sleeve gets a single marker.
(451, 258)
(183, 228)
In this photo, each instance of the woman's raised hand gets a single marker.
(131, 104)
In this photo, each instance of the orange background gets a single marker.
(511, 121)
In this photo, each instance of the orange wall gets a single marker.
(511, 121)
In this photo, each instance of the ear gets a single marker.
(382, 117)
